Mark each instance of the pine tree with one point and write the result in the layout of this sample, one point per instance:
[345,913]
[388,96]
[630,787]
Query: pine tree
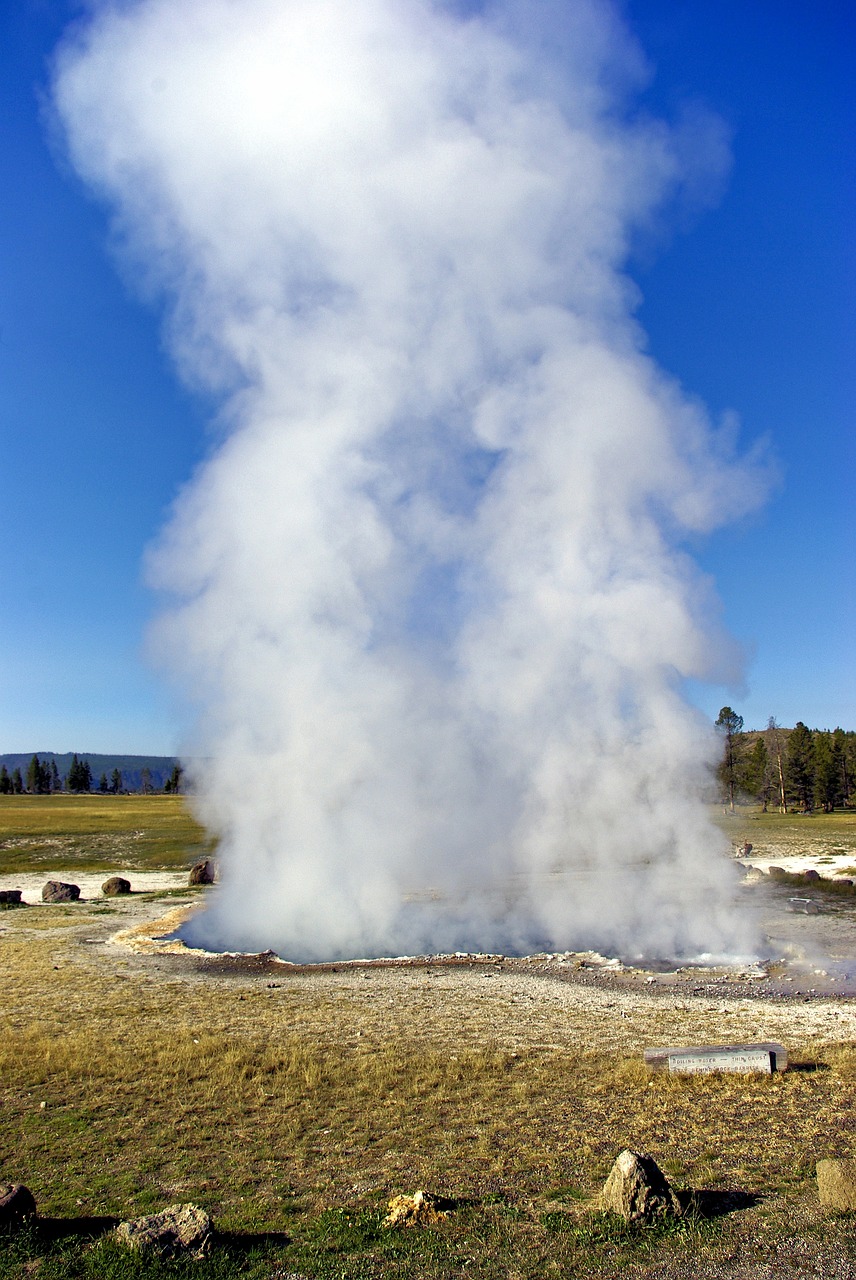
[34,776]
[757,774]
[827,772]
[17,782]
[73,778]
[56,781]
[801,765]
[102,784]
[115,782]
[173,782]
[5,781]
[839,749]
[730,726]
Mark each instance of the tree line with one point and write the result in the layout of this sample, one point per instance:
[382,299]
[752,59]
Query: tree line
[43,779]
[794,770]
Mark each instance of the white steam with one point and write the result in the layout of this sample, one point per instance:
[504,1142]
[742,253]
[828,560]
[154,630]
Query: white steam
[429,592]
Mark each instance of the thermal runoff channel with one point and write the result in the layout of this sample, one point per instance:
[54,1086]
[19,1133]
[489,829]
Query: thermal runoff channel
[429,591]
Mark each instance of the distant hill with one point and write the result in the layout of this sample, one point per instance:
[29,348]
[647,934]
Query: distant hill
[130,767]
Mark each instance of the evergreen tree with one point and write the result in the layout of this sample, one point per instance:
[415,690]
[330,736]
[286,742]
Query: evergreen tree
[839,748]
[827,772]
[34,776]
[800,771]
[17,782]
[85,776]
[38,777]
[757,773]
[73,777]
[730,726]
[102,784]
[173,782]
[5,781]
[115,782]
[56,781]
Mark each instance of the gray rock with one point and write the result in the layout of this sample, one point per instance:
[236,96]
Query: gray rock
[115,887]
[16,1204]
[202,872]
[11,898]
[181,1228]
[836,1183]
[56,891]
[638,1190]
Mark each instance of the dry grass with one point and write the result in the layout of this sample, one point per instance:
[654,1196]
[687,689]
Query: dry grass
[305,1106]
[302,1105]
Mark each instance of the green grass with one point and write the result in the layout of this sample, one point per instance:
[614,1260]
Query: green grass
[95,832]
[790,834]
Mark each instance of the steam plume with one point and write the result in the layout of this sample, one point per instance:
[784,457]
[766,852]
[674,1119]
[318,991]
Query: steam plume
[429,592]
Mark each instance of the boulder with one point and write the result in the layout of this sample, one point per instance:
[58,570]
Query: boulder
[16,1204]
[56,891]
[11,898]
[811,875]
[638,1190]
[115,887]
[836,1183]
[202,872]
[179,1229]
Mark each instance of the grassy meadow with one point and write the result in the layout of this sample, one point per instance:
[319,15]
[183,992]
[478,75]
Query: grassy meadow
[98,833]
[822,835]
[293,1108]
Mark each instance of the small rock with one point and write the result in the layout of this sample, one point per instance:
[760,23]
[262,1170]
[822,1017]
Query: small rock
[202,872]
[181,1228]
[16,1204]
[11,898]
[115,887]
[811,874]
[638,1190]
[56,891]
[836,1183]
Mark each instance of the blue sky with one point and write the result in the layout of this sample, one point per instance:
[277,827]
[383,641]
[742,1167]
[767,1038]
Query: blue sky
[750,307]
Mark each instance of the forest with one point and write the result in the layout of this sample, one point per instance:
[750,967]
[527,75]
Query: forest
[798,770]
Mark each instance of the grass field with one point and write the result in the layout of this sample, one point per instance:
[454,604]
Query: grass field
[98,833]
[783,834]
[293,1110]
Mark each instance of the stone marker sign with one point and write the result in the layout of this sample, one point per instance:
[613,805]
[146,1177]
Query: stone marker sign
[739,1060]
[706,1058]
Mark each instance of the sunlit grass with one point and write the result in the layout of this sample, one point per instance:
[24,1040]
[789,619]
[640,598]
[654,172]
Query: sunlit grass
[275,1111]
[293,1110]
[790,834]
[95,832]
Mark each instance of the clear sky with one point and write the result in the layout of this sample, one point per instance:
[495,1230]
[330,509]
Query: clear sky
[750,306]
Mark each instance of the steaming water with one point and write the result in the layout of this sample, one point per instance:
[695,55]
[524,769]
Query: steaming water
[428,593]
